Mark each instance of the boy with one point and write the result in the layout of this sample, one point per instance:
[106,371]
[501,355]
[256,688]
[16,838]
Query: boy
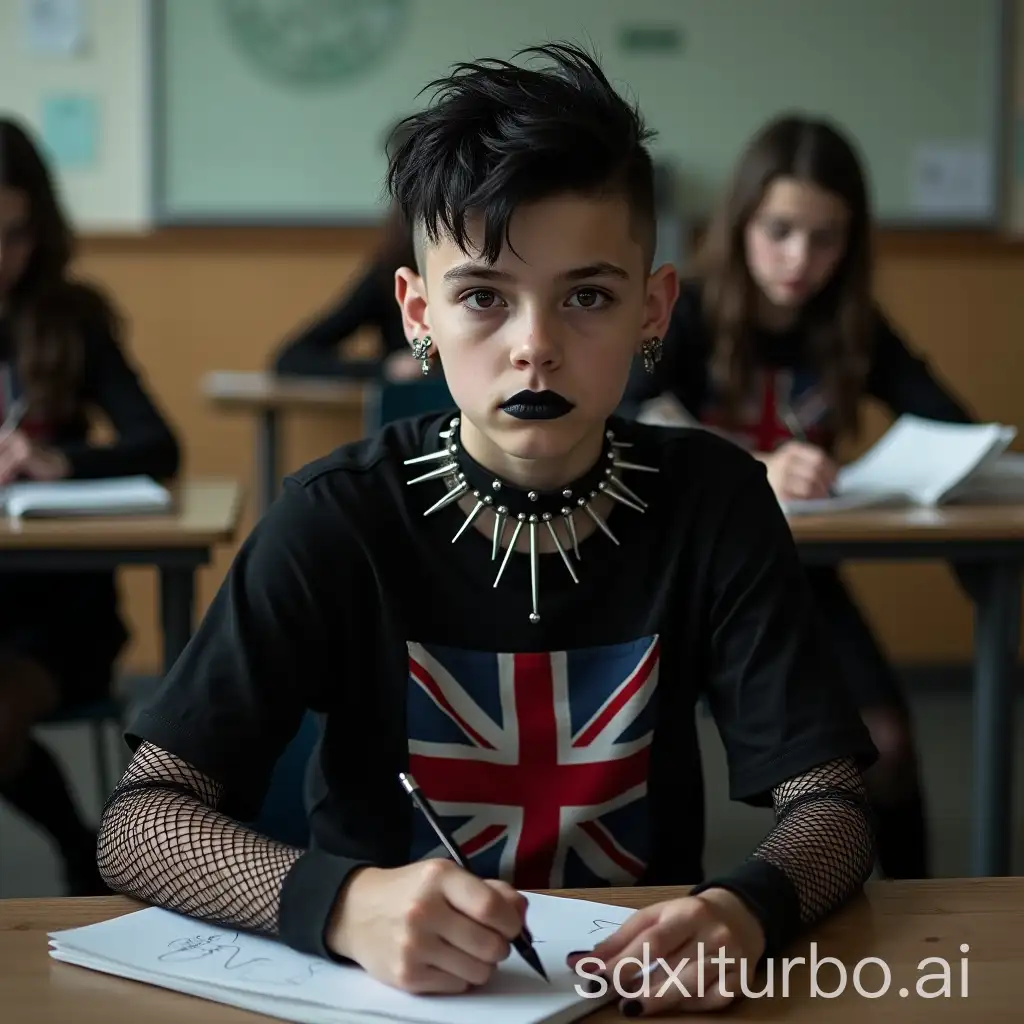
[518,602]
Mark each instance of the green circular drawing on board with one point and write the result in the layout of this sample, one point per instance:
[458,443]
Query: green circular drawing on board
[315,42]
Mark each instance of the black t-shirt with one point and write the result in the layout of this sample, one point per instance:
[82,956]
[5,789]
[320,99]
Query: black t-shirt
[787,383]
[561,753]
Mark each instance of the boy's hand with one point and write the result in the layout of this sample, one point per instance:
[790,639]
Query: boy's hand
[673,931]
[427,927]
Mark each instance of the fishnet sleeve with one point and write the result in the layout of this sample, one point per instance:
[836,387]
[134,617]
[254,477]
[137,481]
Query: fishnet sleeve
[822,841]
[818,855]
[163,841]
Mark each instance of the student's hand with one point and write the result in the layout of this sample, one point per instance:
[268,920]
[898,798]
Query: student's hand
[20,457]
[400,366]
[797,471]
[427,927]
[673,931]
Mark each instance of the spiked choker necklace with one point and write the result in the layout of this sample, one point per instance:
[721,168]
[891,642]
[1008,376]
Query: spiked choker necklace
[534,510]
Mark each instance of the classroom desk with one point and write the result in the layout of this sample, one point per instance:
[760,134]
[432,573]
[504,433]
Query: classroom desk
[265,396]
[991,539]
[901,923]
[206,514]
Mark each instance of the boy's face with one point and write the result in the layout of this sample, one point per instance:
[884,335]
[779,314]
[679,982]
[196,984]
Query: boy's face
[537,348]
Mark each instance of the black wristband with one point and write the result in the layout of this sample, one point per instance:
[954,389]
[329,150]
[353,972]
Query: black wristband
[308,895]
[771,897]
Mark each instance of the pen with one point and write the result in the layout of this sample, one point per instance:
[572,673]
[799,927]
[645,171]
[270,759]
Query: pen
[13,418]
[523,942]
[795,427]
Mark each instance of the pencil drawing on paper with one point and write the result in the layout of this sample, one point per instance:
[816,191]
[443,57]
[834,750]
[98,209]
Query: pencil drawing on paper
[255,969]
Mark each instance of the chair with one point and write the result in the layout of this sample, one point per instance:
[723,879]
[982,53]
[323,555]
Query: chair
[97,715]
[396,400]
[283,814]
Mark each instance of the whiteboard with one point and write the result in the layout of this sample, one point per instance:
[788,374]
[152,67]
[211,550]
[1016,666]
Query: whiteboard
[265,114]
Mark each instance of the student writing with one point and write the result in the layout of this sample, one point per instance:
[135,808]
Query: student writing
[60,361]
[776,341]
[519,604]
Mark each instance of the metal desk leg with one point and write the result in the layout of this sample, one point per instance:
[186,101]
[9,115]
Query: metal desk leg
[266,459]
[996,638]
[177,598]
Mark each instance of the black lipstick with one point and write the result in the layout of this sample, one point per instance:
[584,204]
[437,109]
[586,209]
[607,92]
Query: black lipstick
[537,405]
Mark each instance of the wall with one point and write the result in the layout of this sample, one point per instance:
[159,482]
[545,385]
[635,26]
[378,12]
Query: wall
[207,298]
[113,192]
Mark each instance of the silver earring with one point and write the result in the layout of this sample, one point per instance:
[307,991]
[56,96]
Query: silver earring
[421,351]
[651,349]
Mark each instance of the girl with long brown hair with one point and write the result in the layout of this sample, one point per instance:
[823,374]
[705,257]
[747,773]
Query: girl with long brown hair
[775,340]
[60,358]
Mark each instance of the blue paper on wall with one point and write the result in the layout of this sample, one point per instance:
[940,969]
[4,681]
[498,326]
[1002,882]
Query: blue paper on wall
[71,129]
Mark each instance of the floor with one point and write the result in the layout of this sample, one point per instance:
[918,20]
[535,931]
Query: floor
[29,868]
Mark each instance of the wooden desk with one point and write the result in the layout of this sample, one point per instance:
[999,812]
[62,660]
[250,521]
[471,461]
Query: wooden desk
[990,540]
[901,923]
[206,514]
[264,396]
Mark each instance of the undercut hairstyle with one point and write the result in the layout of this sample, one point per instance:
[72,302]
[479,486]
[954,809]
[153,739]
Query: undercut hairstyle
[497,135]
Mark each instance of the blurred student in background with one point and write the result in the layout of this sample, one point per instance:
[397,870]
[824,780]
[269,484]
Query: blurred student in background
[61,632]
[314,351]
[774,341]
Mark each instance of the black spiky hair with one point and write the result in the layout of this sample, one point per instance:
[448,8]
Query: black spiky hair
[498,135]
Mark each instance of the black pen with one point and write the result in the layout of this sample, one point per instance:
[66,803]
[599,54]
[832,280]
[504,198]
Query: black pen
[523,942]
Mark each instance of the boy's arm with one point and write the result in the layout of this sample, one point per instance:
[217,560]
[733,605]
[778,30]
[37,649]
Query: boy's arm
[818,855]
[792,735]
[164,841]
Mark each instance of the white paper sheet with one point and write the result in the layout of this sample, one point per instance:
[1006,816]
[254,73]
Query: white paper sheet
[180,953]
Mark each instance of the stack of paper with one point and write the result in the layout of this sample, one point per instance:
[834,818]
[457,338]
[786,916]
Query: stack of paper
[134,495]
[175,952]
[919,462]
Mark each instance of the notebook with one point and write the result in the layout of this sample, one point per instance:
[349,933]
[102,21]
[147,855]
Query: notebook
[927,463]
[162,948]
[135,495]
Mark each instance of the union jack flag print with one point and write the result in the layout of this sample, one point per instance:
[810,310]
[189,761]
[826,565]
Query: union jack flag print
[762,422]
[536,762]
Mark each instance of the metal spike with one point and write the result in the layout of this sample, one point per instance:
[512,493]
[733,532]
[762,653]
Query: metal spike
[472,515]
[600,522]
[445,434]
[561,551]
[451,496]
[432,457]
[451,467]
[508,553]
[622,499]
[570,526]
[625,490]
[634,465]
[622,444]
[534,570]
[500,515]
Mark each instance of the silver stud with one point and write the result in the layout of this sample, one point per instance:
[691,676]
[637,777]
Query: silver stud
[432,457]
[600,522]
[499,529]
[567,493]
[495,485]
[472,515]
[534,570]
[633,465]
[609,490]
[561,550]
[533,495]
[450,497]
[451,467]
[508,552]
[619,485]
